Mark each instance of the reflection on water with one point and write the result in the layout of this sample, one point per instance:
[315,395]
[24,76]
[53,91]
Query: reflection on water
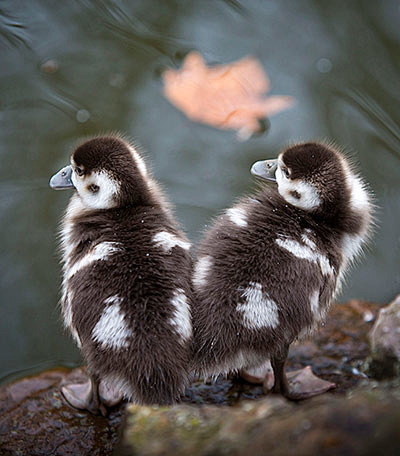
[71,69]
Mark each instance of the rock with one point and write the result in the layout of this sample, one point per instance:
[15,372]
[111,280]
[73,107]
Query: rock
[365,423]
[385,342]
[35,420]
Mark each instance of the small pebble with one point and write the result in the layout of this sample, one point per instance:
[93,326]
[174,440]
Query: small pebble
[368,316]
[247,407]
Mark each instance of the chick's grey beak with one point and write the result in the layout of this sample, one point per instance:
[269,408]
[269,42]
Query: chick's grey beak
[62,179]
[265,169]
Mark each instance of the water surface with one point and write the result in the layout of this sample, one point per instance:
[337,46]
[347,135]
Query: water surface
[71,69]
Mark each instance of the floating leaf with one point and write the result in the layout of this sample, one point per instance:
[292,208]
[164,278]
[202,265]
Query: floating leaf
[230,97]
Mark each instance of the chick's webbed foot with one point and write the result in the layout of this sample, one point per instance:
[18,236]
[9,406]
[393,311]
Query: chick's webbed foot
[303,384]
[85,396]
[262,375]
[109,395]
[297,385]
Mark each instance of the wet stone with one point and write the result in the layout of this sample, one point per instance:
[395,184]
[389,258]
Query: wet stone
[365,423]
[384,339]
[221,417]
[35,420]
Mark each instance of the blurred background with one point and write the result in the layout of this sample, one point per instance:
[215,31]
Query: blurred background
[76,68]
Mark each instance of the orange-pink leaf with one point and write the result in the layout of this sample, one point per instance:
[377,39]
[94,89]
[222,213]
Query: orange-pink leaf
[231,96]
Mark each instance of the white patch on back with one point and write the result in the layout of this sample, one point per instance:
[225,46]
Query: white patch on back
[111,331]
[237,215]
[105,197]
[167,241]
[305,238]
[259,311]
[100,252]
[309,197]
[296,249]
[306,252]
[181,319]
[201,270]
[314,303]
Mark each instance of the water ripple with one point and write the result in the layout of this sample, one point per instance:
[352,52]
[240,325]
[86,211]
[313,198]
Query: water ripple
[389,129]
[134,31]
[12,32]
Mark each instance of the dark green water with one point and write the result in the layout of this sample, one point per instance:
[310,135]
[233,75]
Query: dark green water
[75,68]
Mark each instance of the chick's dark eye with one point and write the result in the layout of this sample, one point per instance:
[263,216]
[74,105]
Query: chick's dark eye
[94,188]
[79,171]
[286,172]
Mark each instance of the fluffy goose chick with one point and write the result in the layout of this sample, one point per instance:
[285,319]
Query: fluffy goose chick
[126,286]
[268,268]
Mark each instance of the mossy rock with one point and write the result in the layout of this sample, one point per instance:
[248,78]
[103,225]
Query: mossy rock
[365,422]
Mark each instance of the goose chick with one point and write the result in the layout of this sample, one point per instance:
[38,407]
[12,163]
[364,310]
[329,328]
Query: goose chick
[126,285]
[268,268]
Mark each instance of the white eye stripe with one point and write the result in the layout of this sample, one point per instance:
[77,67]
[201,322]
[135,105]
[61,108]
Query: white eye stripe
[297,192]
[106,193]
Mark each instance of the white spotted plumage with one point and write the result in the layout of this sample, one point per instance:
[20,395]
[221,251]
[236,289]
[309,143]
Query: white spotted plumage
[238,216]
[201,271]
[268,267]
[306,252]
[181,319]
[314,303]
[126,278]
[100,252]
[258,310]
[167,241]
[112,331]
